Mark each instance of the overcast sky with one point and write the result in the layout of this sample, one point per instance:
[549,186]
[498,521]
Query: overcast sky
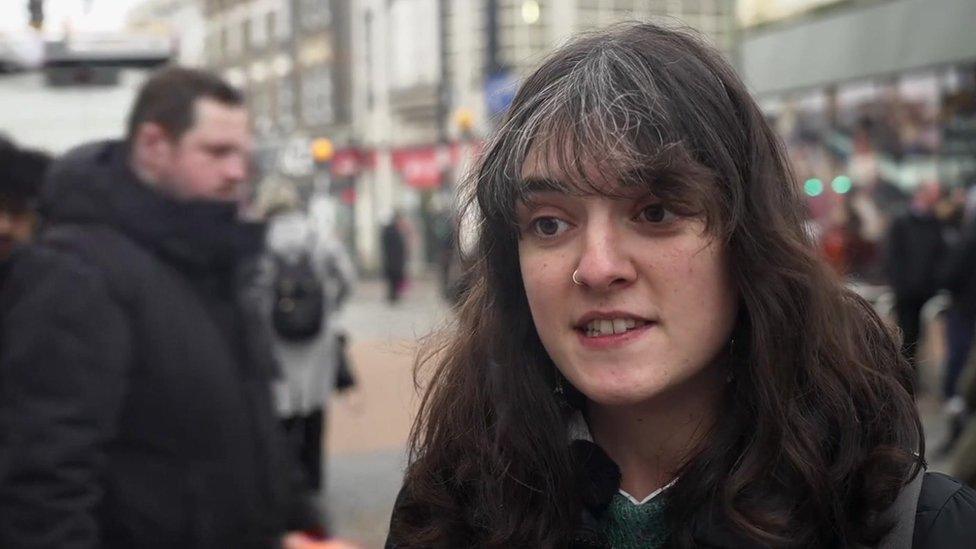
[103,15]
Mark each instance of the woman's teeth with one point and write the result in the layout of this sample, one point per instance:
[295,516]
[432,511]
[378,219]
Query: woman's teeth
[605,327]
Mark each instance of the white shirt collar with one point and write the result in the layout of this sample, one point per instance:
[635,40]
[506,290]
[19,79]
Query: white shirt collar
[578,429]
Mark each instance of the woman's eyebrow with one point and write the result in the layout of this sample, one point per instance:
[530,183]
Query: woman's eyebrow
[532,185]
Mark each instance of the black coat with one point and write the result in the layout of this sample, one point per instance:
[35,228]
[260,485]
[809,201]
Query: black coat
[134,381]
[915,249]
[958,272]
[944,517]
[394,247]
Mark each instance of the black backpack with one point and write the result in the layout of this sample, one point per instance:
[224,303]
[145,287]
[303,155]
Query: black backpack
[298,312]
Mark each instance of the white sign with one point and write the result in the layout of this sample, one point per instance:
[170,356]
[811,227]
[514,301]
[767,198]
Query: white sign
[296,157]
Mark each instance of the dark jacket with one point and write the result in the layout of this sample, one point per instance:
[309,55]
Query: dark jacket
[394,247]
[958,272]
[915,248]
[134,381]
[944,519]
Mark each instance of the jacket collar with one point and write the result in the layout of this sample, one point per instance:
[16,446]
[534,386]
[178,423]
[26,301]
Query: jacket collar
[599,480]
[94,184]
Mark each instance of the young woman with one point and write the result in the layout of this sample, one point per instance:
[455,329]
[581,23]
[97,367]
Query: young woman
[651,353]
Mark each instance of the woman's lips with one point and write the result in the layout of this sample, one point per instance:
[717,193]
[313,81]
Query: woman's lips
[613,340]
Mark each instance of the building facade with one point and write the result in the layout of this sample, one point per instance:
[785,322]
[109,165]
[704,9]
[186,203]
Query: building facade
[405,89]
[180,21]
[432,76]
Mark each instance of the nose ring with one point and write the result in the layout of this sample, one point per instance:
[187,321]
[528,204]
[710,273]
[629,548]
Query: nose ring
[576,280]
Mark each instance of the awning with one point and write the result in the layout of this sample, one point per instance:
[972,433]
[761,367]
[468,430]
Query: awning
[852,42]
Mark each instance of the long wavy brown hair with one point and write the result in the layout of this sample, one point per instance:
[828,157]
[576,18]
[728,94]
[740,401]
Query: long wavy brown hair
[819,430]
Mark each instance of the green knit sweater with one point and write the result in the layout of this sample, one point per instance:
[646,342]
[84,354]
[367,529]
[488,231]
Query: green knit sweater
[631,526]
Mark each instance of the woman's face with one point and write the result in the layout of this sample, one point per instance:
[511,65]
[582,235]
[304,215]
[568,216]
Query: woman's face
[655,304]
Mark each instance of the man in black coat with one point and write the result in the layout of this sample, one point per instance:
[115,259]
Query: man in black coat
[914,251]
[394,246]
[134,379]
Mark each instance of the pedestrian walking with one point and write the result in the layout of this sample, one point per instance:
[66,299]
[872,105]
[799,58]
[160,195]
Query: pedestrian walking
[652,352]
[311,277]
[393,242]
[135,407]
[915,249]
[958,276]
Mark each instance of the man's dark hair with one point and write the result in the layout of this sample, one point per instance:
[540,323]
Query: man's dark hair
[21,174]
[169,98]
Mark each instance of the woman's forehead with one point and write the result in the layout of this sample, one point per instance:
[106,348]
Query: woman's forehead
[560,168]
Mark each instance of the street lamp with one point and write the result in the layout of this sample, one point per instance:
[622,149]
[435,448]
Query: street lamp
[464,118]
[322,152]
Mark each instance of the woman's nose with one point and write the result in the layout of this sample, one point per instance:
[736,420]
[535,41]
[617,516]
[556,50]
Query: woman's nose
[604,261]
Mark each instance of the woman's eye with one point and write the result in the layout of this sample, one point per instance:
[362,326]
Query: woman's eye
[656,213]
[548,227]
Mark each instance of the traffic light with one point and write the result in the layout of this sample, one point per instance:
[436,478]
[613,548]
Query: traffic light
[35,10]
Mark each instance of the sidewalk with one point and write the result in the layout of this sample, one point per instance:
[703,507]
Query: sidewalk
[366,440]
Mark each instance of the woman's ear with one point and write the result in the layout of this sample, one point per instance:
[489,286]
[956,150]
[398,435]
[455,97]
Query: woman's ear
[152,151]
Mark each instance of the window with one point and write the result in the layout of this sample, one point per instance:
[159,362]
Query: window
[285,103]
[317,96]
[211,45]
[414,37]
[271,25]
[224,46]
[233,40]
[259,32]
[260,108]
[246,34]
[314,14]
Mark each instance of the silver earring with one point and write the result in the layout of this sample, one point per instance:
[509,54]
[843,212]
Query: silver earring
[576,280]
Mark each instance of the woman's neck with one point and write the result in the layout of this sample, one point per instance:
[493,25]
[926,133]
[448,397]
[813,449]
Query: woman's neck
[651,440]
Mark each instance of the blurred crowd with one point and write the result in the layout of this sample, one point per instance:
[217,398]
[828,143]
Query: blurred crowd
[890,217]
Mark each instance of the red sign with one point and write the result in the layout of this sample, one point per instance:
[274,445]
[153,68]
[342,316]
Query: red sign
[421,167]
[348,163]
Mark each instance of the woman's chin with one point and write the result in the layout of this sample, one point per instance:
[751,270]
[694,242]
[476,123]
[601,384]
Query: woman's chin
[618,394]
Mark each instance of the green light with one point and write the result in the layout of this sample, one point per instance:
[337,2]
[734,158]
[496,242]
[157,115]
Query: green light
[813,187]
[841,184]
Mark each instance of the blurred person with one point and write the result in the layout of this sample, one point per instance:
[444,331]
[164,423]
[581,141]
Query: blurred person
[844,245]
[21,173]
[135,402]
[914,249]
[958,276]
[393,243]
[864,167]
[652,354]
[311,278]
[961,446]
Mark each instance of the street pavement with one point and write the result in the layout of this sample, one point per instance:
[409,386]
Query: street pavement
[367,431]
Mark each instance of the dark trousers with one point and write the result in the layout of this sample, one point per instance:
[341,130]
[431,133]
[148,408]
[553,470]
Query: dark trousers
[909,310]
[394,284]
[959,340]
[306,435]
